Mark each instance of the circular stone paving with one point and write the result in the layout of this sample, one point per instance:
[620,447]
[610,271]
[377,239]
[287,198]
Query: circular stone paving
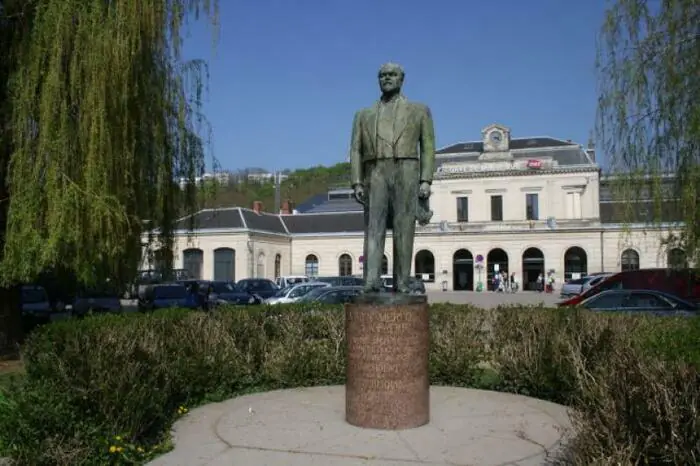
[307,427]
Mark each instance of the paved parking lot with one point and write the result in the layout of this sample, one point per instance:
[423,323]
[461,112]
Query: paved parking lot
[489,299]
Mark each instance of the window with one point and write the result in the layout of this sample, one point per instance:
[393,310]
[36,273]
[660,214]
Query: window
[192,260]
[462,209]
[345,265]
[225,265]
[260,272]
[645,301]
[497,208]
[606,301]
[311,266]
[630,260]
[573,205]
[278,266]
[532,206]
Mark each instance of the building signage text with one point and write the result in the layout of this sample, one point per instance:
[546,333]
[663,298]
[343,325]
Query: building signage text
[481,167]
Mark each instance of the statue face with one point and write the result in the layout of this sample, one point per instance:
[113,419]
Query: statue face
[390,79]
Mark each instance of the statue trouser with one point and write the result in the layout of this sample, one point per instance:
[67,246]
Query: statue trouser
[391,189]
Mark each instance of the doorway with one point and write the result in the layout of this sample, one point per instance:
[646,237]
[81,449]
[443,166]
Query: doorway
[463,271]
[533,266]
[496,262]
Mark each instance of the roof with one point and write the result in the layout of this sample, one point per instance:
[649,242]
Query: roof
[515,144]
[563,156]
[233,218]
[337,222]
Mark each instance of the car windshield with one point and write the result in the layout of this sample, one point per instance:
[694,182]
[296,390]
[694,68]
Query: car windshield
[169,292]
[223,287]
[282,292]
[34,295]
[314,294]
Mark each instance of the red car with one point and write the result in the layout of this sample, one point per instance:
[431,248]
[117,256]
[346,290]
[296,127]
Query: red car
[684,283]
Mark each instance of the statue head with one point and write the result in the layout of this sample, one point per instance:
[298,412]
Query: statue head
[391,77]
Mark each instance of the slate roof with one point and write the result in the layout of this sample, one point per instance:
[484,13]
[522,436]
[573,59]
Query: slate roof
[213,219]
[565,155]
[515,144]
[324,222]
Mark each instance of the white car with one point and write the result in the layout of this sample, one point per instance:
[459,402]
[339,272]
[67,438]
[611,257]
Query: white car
[293,293]
[290,280]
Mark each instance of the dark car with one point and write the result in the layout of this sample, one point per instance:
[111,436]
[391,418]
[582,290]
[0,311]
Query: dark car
[221,292]
[35,303]
[166,295]
[341,281]
[96,301]
[259,287]
[198,291]
[640,301]
[331,295]
[684,283]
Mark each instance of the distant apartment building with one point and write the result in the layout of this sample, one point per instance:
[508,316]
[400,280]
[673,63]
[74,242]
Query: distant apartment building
[222,178]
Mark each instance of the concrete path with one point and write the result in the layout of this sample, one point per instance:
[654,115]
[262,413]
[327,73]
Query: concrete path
[306,427]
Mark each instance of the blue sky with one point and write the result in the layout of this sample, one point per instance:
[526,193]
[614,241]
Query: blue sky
[288,75]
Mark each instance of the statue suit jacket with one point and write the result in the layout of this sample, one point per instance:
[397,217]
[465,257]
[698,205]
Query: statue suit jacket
[413,131]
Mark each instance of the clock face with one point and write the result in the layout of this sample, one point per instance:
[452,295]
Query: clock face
[496,137]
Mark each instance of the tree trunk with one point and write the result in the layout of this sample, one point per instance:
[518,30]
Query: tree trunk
[11,332]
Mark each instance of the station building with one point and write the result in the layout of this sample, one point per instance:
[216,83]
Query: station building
[526,205]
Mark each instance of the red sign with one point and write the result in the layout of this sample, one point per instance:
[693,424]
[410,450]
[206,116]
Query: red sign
[533,163]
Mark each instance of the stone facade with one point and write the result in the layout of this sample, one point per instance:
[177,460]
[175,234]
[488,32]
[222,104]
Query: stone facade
[528,206]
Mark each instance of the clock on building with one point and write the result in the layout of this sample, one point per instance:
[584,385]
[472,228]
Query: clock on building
[496,137]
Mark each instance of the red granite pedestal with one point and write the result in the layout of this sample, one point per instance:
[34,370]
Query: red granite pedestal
[388,339]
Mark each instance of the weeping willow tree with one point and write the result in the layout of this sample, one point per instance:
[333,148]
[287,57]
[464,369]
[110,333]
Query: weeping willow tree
[649,112]
[104,115]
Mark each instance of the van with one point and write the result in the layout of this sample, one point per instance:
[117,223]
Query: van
[683,283]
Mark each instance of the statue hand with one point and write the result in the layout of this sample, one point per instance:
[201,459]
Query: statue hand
[359,193]
[424,190]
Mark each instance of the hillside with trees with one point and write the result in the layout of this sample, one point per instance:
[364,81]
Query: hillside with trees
[299,186]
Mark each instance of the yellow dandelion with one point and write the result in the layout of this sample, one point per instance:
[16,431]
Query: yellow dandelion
[112,449]
[118,438]
[119,449]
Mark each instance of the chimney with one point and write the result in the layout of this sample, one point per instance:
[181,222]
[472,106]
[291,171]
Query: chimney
[590,149]
[257,207]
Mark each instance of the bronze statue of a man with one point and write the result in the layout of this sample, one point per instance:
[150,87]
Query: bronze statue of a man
[392,160]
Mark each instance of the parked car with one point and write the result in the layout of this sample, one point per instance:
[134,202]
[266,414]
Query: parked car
[96,301]
[260,287]
[166,295]
[221,292]
[578,286]
[198,291]
[684,283]
[331,295]
[293,293]
[284,282]
[341,281]
[35,303]
[640,301]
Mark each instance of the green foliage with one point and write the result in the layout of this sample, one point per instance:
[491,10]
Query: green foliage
[104,115]
[104,390]
[298,187]
[649,119]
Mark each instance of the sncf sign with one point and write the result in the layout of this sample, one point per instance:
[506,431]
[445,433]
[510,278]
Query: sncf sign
[533,163]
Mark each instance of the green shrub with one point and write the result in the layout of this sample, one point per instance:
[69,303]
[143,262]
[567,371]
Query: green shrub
[105,390]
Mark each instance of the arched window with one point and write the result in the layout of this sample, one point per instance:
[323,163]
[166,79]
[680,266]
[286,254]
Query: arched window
[225,264]
[260,273]
[192,260]
[677,259]
[629,260]
[345,265]
[311,266]
[575,263]
[424,266]
[278,266]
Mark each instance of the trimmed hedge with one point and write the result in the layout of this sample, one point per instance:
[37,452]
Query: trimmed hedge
[105,390]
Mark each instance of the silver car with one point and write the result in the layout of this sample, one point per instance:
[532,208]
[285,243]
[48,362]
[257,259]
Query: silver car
[578,286]
[293,293]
